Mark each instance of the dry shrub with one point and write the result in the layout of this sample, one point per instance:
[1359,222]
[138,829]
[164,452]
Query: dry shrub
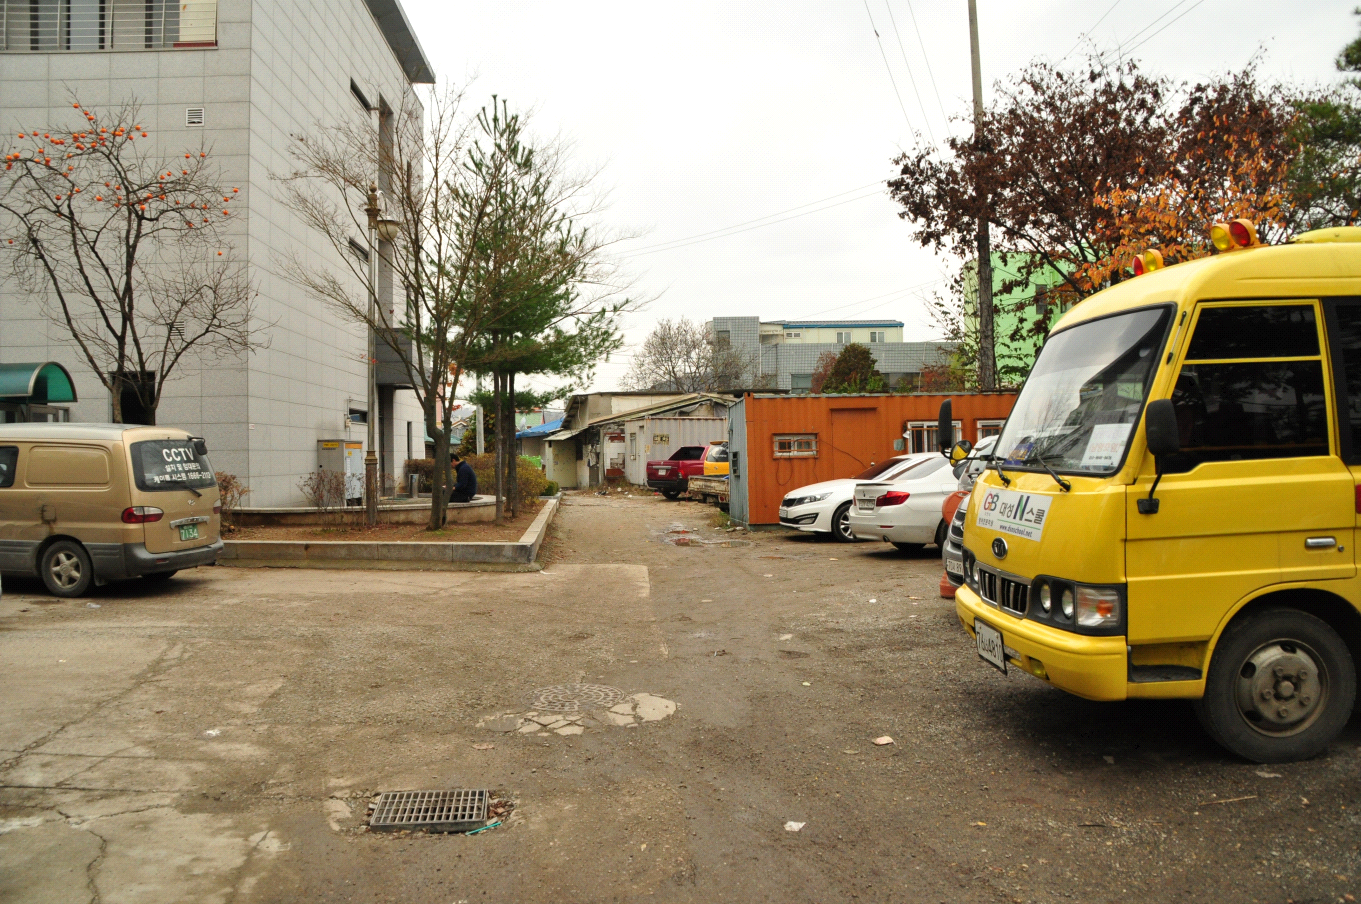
[231,491]
[323,488]
[425,467]
[532,480]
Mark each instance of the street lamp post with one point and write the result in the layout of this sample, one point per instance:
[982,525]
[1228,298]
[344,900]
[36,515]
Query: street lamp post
[385,228]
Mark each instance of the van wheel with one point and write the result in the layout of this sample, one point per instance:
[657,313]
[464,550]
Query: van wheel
[1280,688]
[66,569]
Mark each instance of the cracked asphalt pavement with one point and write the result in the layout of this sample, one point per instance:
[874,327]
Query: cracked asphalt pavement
[218,739]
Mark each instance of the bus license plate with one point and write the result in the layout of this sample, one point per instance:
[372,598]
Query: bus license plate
[990,648]
[188,531]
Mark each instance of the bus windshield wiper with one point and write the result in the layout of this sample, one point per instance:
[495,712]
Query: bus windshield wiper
[1035,453]
[997,461]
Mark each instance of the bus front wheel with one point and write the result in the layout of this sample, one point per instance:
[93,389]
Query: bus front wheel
[1280,688]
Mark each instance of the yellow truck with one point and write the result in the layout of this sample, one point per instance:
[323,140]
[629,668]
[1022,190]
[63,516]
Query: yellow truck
[1172,507]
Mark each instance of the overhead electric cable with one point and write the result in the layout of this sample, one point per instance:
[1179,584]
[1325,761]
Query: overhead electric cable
[1165,27]
[910,77]
[778,213]
[1140,32]
[929,71]
[682,243]
[1110,9]
[889,68]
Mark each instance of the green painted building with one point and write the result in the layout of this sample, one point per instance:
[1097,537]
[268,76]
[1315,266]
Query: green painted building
[1022,315]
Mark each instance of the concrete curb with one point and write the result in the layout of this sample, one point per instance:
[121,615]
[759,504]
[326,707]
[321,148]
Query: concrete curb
[502,556]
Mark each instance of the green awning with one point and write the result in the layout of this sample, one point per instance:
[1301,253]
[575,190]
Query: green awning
[36,384]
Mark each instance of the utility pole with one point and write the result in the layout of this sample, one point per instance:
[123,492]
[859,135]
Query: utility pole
[987,355]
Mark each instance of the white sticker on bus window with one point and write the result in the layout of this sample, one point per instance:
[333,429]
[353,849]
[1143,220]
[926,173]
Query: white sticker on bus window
[1105,447]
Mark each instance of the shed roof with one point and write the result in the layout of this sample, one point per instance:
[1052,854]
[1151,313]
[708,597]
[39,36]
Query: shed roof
[39,382]
[540,430]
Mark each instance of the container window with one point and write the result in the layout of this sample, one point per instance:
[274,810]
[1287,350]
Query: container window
[9,462]
[922,436]
[990,428]
[796,445]
[169,464]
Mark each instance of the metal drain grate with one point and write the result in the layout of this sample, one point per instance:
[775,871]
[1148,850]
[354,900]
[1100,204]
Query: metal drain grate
[575,698]
[433,811]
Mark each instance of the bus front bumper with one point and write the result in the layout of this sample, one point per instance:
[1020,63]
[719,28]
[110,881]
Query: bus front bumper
[1092,667]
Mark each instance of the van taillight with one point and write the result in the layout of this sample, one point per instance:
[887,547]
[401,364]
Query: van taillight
[217,507]
[142,514]
[892,497]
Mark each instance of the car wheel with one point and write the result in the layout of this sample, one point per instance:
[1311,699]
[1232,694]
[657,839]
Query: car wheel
[159,577]
[841,524]
[942,531]
[1281,686]
[671,494]
[66,569]
[909,547]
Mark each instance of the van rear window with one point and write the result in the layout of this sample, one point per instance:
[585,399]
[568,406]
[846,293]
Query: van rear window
[168,464]
[9,457]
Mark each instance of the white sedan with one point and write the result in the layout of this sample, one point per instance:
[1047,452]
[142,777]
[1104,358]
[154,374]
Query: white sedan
[905,511]
[825,507]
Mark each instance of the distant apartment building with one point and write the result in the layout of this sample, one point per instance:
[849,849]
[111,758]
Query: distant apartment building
[789,349]
[244,78]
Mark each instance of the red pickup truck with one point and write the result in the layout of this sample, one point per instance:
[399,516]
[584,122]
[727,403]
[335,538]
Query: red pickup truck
[672,476]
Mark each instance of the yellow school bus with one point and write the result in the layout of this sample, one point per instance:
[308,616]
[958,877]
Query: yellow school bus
[1172,505]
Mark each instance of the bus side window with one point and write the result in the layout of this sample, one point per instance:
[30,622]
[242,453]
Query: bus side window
[1231,409]
[1347,345]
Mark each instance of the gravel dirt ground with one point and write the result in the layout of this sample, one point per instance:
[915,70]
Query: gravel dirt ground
[218,738]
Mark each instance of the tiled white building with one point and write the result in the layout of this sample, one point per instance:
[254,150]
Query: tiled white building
[242,76]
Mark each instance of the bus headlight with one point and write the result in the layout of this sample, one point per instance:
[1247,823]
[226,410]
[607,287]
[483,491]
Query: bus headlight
[1046,596]
[1066,602]
[1097,607]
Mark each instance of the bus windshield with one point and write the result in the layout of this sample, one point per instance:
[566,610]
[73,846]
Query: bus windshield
[1081,402]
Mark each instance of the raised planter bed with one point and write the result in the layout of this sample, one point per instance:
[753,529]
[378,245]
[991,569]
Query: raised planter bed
[511,556]
[482,508]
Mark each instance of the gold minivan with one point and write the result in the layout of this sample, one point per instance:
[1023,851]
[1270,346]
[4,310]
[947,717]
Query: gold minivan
[83,504]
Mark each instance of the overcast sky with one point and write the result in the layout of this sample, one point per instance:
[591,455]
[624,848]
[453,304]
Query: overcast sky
[705,117]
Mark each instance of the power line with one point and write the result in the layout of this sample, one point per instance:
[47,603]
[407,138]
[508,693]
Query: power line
[1165,27]
[1088,32]
[929,70]
[1140,32]
[732,231]
[910,77]
[887,67]
[768,216]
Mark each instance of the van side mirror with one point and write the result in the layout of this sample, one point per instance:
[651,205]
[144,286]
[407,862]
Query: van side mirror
[1163,439]
[945,427]
[200,445]
[1160,428]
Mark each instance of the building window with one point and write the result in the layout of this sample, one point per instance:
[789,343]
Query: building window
[358,416]
[793,335]
[86,25]
[878,335]
[724,336]
[801,382]
[796,445]
[843,337]
[989,428]
[360,96]
[923,437]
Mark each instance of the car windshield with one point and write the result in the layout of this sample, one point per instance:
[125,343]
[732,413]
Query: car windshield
[1082,399]
[168,464]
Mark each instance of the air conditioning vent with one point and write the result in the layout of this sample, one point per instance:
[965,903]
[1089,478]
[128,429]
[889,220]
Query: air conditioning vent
[193,116]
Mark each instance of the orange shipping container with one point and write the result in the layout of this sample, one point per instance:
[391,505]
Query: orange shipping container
[782,442]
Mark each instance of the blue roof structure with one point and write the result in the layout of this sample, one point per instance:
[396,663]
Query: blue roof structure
[540,430]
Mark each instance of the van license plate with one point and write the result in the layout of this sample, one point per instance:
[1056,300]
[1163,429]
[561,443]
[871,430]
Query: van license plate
[990,645]
[188,531]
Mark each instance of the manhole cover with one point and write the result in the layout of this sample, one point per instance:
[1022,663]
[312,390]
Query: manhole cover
[575,698]
[433,811]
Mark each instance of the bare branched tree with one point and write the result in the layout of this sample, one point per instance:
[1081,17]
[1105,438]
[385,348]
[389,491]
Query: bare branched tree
[126,250]
[684,356]
[460,262]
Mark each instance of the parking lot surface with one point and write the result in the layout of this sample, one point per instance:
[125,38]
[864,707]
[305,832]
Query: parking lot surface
[218,739]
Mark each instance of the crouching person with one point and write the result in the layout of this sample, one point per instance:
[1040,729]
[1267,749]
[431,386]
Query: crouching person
[465,481]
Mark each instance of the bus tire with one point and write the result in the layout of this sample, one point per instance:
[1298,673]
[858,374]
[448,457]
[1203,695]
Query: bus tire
[1280,688]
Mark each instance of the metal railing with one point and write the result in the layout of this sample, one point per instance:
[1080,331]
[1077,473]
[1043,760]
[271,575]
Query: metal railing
[48,26]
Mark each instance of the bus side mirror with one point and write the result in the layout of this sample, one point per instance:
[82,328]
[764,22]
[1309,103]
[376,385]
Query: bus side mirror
[960,451]
[945,427]
[1163,439]
[1160,428]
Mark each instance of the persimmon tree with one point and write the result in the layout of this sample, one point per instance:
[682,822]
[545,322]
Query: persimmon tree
[126,248]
